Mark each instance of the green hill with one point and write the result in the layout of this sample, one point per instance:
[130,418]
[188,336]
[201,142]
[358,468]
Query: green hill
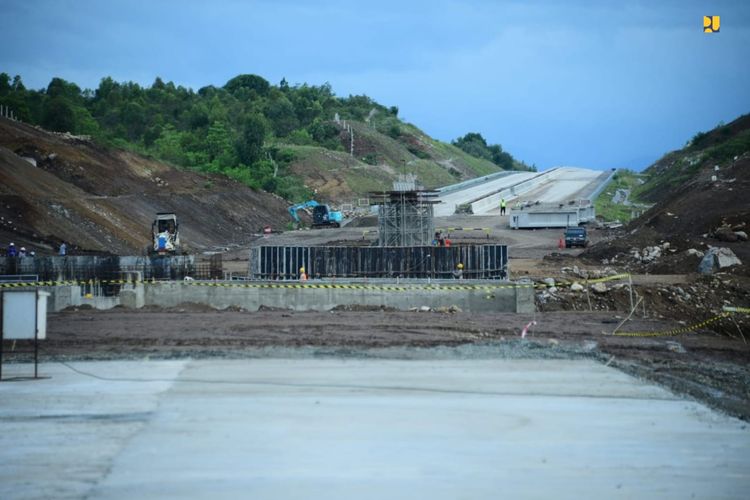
[296,141]
[695,162]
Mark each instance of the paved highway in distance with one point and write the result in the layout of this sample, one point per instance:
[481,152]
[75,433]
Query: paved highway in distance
[450,200]
[557,186]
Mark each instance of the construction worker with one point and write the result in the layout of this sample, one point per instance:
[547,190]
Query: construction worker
[12,251]
[302,274]
[502,206]
[22,252]
[63,249]
[459,272]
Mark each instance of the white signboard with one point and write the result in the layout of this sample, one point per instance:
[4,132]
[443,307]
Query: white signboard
[22,316]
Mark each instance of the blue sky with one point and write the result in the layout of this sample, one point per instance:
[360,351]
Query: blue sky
[588,83]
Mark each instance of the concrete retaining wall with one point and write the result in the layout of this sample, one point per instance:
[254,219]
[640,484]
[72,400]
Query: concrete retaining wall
[170,294]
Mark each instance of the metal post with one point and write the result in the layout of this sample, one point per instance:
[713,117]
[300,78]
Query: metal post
[630,287]
[2,332]
[36,334]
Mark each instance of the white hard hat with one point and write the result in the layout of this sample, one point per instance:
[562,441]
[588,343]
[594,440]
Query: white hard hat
[12,244]
[23,248]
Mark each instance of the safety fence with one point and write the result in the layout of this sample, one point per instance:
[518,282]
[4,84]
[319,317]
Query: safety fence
[86,267]
[422,262]
[101,275]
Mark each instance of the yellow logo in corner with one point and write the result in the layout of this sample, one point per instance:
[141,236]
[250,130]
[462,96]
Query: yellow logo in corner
[711,24]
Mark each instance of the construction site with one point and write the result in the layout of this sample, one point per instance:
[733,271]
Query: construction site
[425,325]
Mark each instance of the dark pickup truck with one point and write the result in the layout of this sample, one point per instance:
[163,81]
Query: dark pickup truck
[576,236]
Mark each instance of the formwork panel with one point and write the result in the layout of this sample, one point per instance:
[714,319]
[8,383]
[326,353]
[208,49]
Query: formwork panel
[419,262]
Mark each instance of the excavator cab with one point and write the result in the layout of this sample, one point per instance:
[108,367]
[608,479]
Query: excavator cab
[165,234]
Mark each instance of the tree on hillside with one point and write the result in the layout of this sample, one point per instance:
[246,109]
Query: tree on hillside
[281,115]
[5,87]
[244,84]
[231,129]
[250,144]
[219,145]
[58,115]
[474,144]
[66,90]
[15,96]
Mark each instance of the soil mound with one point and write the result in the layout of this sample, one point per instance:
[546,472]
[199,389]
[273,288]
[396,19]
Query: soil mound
[694,216]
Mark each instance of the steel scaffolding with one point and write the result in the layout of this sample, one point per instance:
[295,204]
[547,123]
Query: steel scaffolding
[405,217]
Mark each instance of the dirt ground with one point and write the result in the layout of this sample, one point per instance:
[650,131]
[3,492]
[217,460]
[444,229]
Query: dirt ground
[706,366]
[528,247]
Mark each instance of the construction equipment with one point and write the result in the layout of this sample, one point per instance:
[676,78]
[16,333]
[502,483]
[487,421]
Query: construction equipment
[299,206]
[165,234]
[325,217]
[322,215]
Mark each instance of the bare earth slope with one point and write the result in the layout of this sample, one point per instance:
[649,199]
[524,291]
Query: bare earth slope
[701,191]
[104,200]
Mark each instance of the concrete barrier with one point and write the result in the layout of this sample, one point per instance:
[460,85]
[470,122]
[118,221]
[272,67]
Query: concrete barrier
[471,299]
[468,296]
[475,181]
[65,296]
[607,178]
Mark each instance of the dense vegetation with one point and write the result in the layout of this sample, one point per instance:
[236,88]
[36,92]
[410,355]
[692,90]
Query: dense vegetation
[476,145]
[239,129]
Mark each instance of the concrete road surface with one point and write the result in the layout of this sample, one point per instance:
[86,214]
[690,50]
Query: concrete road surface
[450,200]
[569,183]
[355,428]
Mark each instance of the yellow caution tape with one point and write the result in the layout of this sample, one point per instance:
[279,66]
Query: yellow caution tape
[615,277]
[676,331]
[336,286]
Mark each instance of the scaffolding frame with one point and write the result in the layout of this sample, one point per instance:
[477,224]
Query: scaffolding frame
[405,218]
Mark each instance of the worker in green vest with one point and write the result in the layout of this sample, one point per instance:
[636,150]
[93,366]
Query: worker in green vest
[502,206]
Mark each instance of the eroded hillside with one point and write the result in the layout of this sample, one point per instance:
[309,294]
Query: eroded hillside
[701,196]
[104,200]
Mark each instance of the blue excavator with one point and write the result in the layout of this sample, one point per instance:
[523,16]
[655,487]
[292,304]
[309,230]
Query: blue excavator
[322,215]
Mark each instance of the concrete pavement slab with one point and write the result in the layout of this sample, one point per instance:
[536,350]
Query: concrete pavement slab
[365,428]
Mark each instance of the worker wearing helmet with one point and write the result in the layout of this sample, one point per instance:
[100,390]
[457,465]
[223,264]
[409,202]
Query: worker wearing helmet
[459,272]
[22,252]
[302,274]
[12,252]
